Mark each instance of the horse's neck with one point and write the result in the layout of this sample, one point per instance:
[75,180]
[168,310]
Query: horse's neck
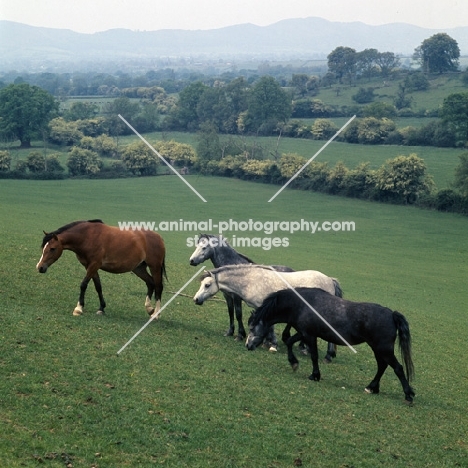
[240,282]
[226,255]
[71,241]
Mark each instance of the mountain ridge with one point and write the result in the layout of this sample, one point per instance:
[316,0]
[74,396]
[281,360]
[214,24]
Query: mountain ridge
[304,38]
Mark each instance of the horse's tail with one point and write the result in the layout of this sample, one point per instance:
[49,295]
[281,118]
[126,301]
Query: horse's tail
[404,340]
[338,290]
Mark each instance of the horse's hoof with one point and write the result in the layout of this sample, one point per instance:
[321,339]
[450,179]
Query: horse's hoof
[295,366]
[273,349]
[368,390]
[77,312]
[100,312]
[327,360]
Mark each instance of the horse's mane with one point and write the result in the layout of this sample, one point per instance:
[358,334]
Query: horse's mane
[208,236]
[58,231]
[261,312]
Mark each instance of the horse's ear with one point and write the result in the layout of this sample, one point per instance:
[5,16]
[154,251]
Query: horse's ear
[45,233]
[55,237]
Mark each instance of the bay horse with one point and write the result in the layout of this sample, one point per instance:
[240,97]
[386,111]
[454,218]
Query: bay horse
[217,249]
[342,322]
[253,283]
[98,246]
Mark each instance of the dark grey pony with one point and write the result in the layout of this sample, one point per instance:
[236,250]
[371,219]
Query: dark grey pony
[315,313]
[218,250]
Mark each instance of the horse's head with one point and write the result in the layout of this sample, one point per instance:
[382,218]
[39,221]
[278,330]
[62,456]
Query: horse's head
[51,252]
[257,331]
[204,249]
[257,334]
[209,287]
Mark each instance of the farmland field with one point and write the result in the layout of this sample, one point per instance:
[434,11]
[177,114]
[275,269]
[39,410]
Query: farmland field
[182,394]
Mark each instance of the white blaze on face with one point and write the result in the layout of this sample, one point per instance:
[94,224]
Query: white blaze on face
[42,256]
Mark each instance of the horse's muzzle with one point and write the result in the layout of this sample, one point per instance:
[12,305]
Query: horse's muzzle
[193,263]
[198,301]
[42,269]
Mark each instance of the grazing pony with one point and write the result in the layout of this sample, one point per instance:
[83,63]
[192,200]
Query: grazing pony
[218,250]
[101,247]
[342,322]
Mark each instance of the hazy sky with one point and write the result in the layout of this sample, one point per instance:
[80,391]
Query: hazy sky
[100,15]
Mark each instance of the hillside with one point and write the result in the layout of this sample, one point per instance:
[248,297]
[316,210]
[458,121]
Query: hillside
[304,38]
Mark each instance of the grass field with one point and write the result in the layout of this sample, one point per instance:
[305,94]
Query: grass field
[182,394]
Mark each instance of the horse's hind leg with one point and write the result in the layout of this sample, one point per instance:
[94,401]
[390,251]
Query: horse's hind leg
[142,273]
[331,352]
[398,369]
[374,386]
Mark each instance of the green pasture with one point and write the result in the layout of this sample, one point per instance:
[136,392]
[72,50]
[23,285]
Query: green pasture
[182,394]
[440,162]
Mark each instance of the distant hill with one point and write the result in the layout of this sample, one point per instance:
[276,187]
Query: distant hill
[307,38]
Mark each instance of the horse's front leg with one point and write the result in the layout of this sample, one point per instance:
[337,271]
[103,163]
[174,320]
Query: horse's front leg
[98,287]
[289,342]
[311,341]
[230,306]
[240,326]
[83,286]
[91,271]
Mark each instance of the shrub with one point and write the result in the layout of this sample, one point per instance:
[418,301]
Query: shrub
[180,154]
[403,179]
[323,129]
[364,96]
[5,161]
[64,133]
[140,160]
[83,162]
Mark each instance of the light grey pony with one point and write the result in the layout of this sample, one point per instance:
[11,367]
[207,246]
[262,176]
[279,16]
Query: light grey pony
[254,283]
[217,249]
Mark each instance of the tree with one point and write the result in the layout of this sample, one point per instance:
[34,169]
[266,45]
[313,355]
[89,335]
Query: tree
[342,62]
[127,109]
[208,147]
[387,62]
[81,110]
[438,54]
[186,112]
[268,103]
[24,110]
[455,113]
[366,62]
[299,83]
[461,175]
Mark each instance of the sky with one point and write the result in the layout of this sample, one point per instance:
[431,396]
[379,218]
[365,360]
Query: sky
[89,16]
